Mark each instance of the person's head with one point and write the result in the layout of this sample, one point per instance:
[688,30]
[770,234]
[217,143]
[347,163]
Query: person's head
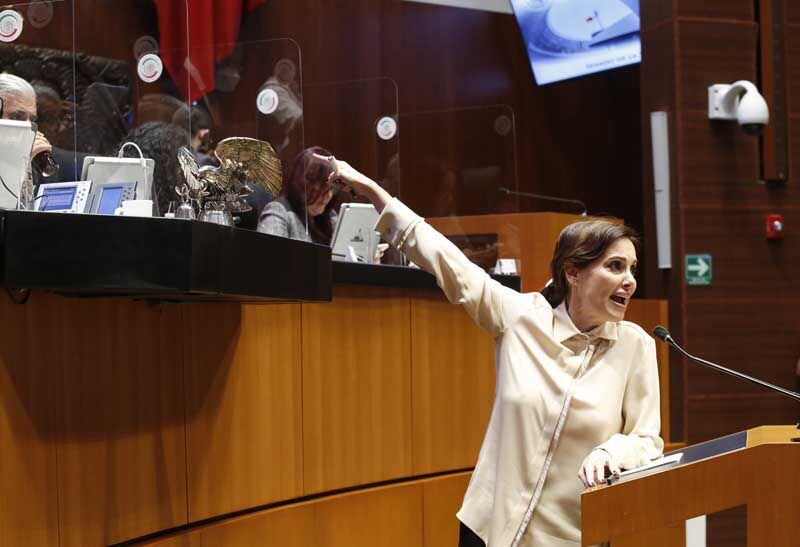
[55,116]
[160,141]
[19,98]
[195,120]
[593,269]
[307,189]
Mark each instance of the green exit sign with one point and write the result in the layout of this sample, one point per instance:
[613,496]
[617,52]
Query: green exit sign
[699,269]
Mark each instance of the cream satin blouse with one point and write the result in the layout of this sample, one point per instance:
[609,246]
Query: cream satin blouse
[559,394]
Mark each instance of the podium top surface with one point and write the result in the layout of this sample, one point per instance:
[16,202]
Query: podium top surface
[768,434]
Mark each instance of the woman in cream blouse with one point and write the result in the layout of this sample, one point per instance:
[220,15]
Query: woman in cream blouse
[577,387]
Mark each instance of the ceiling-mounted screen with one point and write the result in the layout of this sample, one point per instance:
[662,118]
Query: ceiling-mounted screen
[570,38]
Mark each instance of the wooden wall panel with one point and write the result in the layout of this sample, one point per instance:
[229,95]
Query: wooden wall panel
[703,50]
[792,12]
[727,10]
[714,416]
[654,13]
[243,406]
[452,385]
[390,517]
[30,397]
[121,452]
[356,389]
[290,527]
[387,516]
[792,57]
[659,76]
[768,326]
[718,164]
[794,150]
[442,499]
[746,264]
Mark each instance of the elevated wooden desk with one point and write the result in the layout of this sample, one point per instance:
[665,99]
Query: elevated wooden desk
[146,409]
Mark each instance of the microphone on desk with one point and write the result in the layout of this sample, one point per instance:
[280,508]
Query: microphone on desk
[663,334]
[504,190]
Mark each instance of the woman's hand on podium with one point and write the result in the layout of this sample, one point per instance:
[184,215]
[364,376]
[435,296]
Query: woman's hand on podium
[593,469]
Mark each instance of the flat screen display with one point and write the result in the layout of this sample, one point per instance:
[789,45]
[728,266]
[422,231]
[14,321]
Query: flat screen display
[58,199]
[110,198]
[570,38]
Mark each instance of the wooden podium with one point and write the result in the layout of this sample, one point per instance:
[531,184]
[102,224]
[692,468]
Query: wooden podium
[757,468]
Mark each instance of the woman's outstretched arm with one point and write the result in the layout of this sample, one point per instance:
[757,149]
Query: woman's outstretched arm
[490,304]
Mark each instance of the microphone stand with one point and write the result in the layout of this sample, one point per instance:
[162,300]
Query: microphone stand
[540,196]
[664,335]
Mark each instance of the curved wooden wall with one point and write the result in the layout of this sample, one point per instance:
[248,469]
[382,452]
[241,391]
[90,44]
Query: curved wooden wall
[121,419]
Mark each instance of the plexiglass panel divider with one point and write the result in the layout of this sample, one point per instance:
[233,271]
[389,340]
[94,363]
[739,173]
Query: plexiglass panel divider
[254,91]
[460,171]
[131,83]
[36,45]
[355,121]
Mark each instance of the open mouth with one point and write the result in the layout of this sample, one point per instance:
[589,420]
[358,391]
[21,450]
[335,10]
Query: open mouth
[621,300]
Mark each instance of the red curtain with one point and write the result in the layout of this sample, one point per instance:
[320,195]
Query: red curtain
[192,43]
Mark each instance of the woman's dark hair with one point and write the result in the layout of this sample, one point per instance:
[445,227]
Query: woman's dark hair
[579,245]
[306,181]
[160,141]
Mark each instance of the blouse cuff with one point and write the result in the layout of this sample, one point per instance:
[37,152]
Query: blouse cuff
[396,223]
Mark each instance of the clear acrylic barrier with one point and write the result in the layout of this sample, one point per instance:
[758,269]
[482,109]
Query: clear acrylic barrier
[131,85]
[256,92]
[356,121]
[36,45]
[463,158]
[464,168]
[251,89]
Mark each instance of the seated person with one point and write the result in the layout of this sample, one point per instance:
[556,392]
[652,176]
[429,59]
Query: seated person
[198,122]
[19,103]
[304,208]
[159,141]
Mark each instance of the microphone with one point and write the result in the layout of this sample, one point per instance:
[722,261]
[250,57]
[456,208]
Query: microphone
[663,334]
[505,190]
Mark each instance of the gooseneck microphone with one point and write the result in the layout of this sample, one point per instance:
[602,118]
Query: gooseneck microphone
[663,334]
[504,190]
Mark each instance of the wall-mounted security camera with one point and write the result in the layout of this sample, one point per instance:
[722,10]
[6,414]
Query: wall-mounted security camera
[739,101]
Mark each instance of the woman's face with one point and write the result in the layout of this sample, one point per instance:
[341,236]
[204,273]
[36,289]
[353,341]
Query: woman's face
[317,207]
[601,291]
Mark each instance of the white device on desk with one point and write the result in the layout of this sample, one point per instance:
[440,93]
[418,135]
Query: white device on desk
[16,143]
[62,197]
[354,238]
[106,169]
[106,197]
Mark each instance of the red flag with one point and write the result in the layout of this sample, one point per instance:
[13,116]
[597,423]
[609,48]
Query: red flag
[192,43]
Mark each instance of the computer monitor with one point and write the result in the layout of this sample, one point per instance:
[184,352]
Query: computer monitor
[571,38]
[354,235]
[101,169]
[16,142]
[106,197]
[62,197]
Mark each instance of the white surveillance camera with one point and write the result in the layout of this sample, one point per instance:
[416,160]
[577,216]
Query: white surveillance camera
[739,101]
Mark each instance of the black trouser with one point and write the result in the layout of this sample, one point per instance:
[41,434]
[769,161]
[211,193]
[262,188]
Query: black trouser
[468,538]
